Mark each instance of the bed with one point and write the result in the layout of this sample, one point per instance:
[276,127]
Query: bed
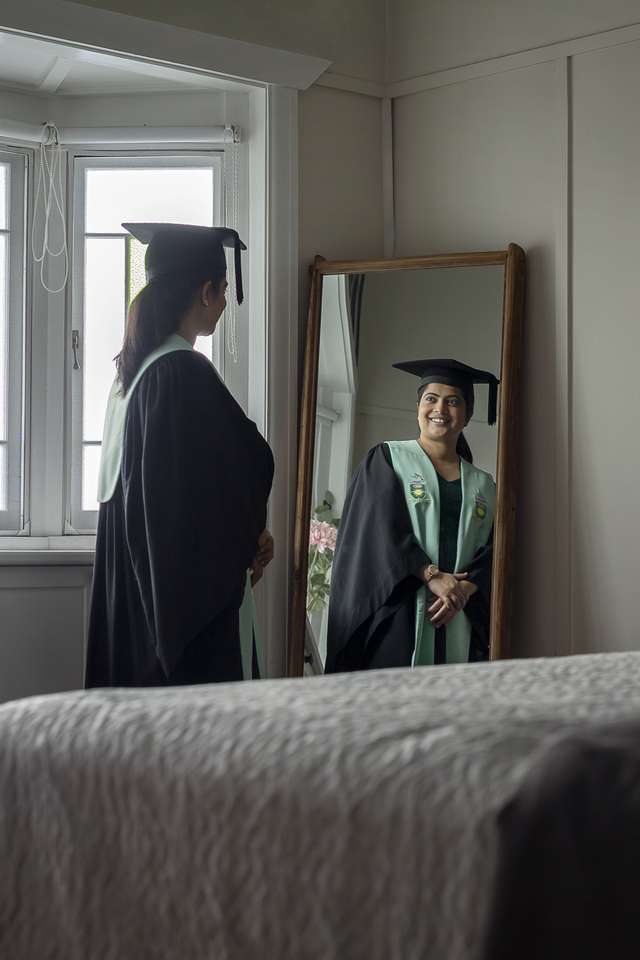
[346,817]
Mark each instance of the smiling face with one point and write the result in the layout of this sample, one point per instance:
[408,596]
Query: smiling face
[441,412]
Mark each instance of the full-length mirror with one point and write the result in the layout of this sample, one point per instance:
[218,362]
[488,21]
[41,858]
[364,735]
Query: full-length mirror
[407,462]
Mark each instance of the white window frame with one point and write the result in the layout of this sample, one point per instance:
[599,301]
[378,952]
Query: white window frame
[18,161]
[77,520]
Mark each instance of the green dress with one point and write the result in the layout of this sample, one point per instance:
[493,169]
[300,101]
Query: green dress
[450,506]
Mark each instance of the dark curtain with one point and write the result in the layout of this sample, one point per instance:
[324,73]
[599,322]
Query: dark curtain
[356,285]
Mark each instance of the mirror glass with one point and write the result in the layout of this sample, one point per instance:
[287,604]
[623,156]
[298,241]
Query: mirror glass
[368,322]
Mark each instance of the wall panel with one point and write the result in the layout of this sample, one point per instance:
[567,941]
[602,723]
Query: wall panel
[43,617]
[479,164]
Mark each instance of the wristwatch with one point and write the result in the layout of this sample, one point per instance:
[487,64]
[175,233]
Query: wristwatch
[432,571]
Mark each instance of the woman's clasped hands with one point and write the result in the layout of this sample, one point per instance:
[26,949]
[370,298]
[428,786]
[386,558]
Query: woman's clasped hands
[452,592]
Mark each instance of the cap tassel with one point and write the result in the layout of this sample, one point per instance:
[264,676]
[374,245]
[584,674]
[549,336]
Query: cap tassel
[238,270]
[493,403]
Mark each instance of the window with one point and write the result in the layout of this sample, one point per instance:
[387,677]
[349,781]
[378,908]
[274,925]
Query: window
[108,271]
[13,166]
[57,349]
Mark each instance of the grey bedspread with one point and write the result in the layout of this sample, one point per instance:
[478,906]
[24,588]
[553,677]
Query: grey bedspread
[348,817]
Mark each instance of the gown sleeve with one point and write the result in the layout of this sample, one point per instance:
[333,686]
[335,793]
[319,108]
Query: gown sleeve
[480,567]
[377,561]
[196,476]
[478,609]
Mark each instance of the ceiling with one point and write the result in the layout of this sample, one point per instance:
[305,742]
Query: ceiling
[40,67]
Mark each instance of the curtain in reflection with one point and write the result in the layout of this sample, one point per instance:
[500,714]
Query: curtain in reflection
[356,286]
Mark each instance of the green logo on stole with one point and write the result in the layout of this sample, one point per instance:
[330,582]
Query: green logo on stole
[417,488]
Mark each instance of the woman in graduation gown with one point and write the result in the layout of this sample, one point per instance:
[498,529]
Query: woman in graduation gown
[411,578]
[183,486]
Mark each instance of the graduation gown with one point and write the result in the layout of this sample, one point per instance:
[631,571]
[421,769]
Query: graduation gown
[376,577]
[178,533]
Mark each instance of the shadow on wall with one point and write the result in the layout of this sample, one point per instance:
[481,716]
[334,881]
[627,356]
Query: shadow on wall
[539,584]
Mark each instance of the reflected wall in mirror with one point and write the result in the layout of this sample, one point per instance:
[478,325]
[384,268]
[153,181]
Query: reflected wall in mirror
[363,317]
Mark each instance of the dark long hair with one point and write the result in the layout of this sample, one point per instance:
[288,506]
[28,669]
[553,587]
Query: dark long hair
[463,449]
[155,313]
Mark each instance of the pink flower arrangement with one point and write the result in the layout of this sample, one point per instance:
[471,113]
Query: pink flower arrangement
[323,533]
[322,536]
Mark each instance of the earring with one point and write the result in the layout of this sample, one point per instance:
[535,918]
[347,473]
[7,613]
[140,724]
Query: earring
[205,303]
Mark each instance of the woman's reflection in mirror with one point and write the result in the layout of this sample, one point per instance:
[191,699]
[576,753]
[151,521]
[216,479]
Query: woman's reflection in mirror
[411,580]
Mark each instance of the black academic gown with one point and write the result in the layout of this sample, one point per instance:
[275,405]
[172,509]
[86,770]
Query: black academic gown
[176,539]
[376,575]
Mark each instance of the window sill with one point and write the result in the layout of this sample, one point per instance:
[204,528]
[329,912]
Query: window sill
[47,551]
[46,558]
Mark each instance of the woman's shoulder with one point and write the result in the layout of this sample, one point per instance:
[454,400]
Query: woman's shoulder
[482,476]
[188,369]
[191,360]
[185,379]
[382,452]
[376,461]
[378,451]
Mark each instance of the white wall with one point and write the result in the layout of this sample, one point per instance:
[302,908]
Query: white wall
[351,33]
[430,35]
[43,619]
[340,179]
[606,347]
[545,154]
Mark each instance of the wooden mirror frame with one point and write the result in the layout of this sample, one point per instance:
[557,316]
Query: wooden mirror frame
[513,260]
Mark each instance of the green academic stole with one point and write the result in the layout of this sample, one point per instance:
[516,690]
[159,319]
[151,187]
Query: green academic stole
[419,482]
[113,433]
[111,461]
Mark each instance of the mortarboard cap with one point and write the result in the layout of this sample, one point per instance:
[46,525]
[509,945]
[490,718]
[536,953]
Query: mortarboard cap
[179,247]
[455,374]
